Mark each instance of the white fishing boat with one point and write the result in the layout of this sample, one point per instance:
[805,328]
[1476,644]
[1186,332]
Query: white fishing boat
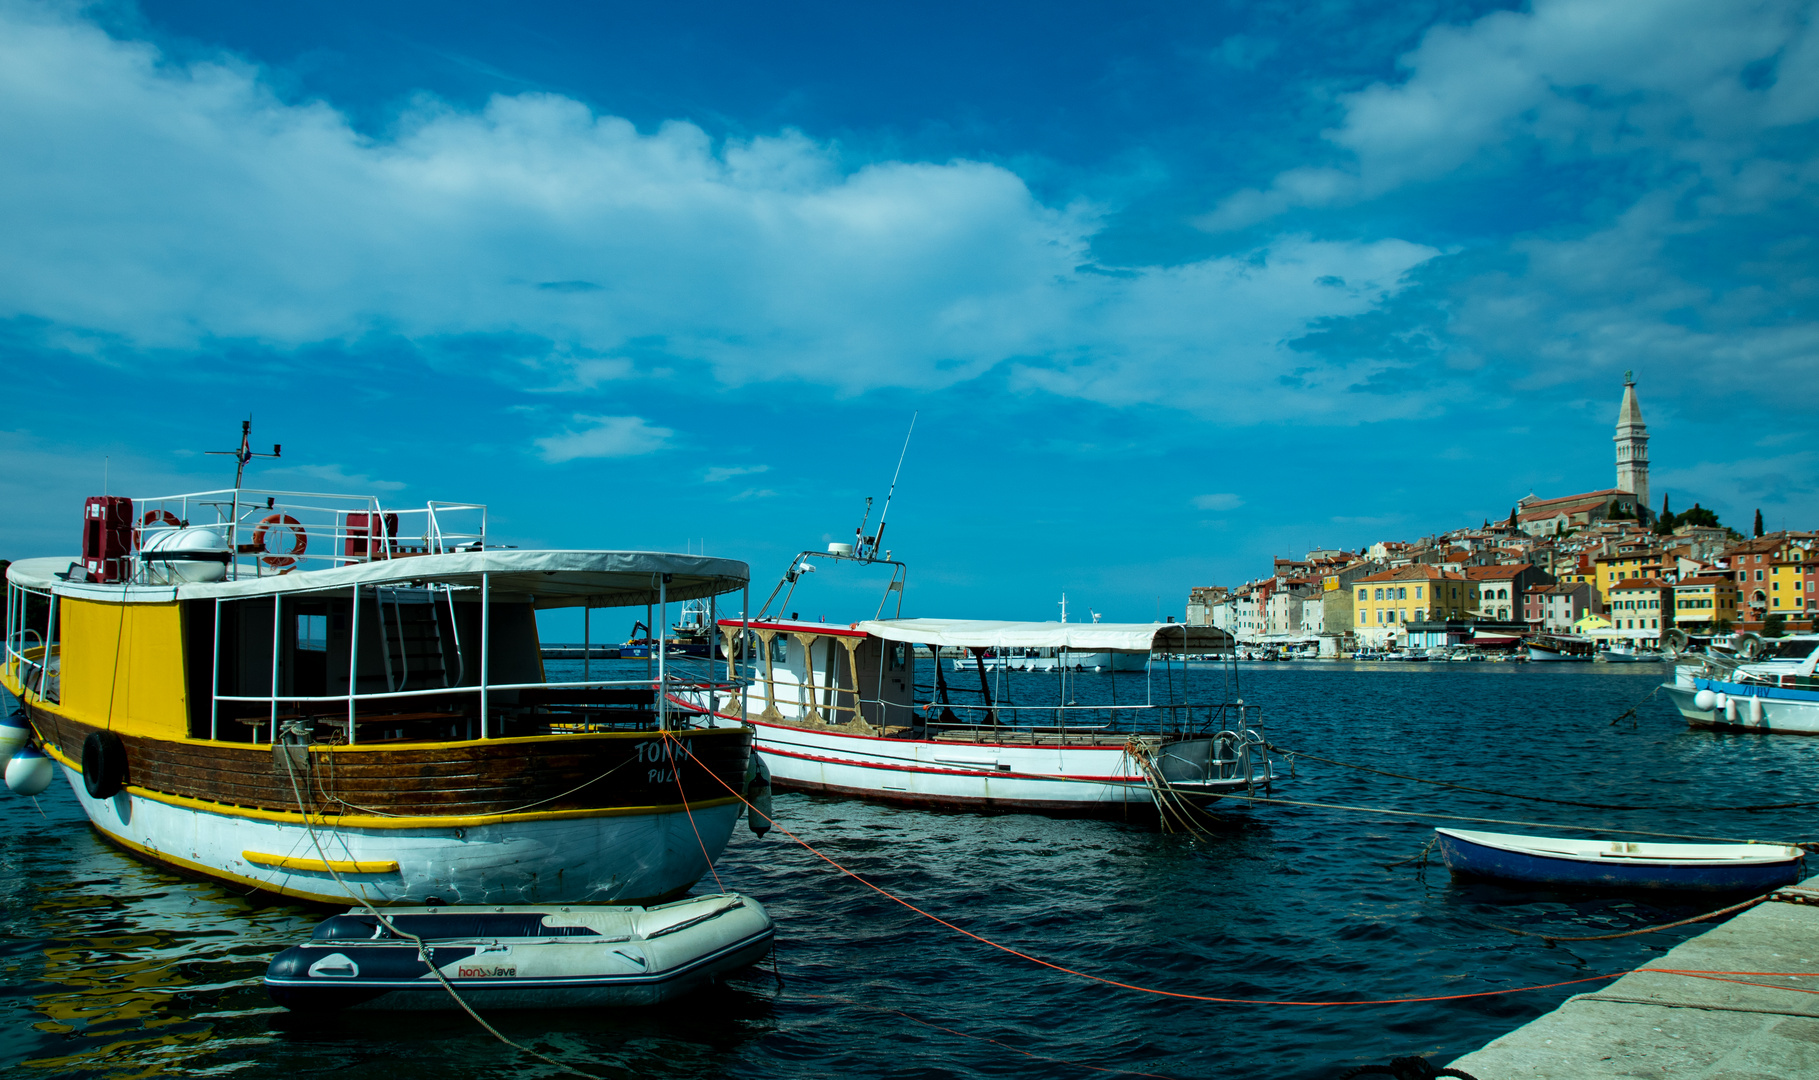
[1561,647]
[1757,684]
[293,691]
[837,708]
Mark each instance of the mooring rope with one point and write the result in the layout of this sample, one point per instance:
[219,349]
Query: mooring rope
[1645,930]
[894,898]
[1537,798]
[1507,821]
[424,952]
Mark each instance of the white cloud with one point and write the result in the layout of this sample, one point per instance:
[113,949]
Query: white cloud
[1221,501]
[333,476]
[164,206]
[721,473]
[606,437]
[1578,78]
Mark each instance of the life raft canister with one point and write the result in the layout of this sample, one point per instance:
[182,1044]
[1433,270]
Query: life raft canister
[103,764]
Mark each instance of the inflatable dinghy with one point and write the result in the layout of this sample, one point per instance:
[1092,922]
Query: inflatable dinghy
[544,956]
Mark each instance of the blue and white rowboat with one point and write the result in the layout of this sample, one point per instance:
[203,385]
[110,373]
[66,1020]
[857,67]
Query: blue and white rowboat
[1547,860]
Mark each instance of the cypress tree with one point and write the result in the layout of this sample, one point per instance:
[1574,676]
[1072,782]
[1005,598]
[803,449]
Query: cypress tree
[1758,522]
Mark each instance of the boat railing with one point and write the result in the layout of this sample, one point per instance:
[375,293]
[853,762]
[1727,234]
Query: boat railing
[277,532]
[1172,718]
[665,703]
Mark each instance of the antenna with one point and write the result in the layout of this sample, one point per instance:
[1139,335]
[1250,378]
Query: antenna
[245,453]
[893,491]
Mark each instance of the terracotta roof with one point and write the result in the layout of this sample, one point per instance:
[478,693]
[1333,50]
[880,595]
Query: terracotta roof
[1416,572]
[1705,580]
[1496,573]
[1564,501]
[1641,583]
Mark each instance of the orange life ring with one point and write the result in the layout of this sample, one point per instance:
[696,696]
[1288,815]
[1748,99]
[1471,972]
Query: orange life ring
[164,516]
[273,522]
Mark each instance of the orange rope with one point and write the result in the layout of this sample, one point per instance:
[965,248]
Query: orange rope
[677,769]
[1113,982]
[1717,976]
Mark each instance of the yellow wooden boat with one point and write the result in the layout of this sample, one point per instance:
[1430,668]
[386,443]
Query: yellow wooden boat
[321,696]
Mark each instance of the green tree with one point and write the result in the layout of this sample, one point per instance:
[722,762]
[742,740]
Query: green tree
[1758,521]
[1699,515]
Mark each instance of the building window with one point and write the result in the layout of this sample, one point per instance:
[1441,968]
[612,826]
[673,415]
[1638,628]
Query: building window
[1402,593]
[1364,594]
[1417,592]
[1379,594]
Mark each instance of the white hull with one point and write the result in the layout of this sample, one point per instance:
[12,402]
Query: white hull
[966,774]
[610,858]
[1763,710]
[1537,653]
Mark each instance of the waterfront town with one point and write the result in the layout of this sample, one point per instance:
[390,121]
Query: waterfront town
[1600,565]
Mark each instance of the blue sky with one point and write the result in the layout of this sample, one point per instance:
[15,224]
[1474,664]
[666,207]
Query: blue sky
[1172,287]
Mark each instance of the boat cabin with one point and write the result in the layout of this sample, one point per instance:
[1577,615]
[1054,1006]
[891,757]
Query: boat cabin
[233,616]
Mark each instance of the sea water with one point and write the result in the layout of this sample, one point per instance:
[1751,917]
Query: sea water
[117,969]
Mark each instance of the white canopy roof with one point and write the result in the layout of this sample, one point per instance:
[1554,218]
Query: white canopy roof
[1080,637]
[548,578]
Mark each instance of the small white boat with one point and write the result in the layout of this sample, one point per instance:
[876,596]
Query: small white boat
[537,957]
[1560,647]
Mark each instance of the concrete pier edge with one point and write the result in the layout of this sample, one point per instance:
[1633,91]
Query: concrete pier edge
[1649,1025]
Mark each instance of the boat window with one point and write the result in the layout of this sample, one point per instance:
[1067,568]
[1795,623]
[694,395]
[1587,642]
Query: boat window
[899,656]
[780,649]
[312,633]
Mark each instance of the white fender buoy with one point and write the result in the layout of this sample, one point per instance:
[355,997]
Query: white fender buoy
[1755,711]
[1705,701]
[1730,709]
[29,772]
[14,733]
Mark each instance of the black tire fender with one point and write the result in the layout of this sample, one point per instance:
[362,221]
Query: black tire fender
[103,764]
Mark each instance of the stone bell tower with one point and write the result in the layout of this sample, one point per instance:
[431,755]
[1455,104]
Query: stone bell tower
[1632,447]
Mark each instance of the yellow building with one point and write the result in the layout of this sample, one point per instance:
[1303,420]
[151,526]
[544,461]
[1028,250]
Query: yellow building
[1630,565]
[1791,582]
[1408,594]
[1707,600]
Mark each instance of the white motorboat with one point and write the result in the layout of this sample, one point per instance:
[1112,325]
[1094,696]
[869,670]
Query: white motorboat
[1759,684]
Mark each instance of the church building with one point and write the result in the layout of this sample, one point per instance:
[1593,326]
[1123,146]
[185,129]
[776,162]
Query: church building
[1628,500]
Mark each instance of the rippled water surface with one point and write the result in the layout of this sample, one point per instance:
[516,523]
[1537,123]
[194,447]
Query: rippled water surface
[117,969]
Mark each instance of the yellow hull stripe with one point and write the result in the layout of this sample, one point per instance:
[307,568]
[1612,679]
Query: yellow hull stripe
[385,821]
[219,874]
[320,866]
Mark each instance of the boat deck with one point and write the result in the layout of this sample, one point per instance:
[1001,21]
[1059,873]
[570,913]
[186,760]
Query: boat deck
[1653,1024]
[1028,737]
